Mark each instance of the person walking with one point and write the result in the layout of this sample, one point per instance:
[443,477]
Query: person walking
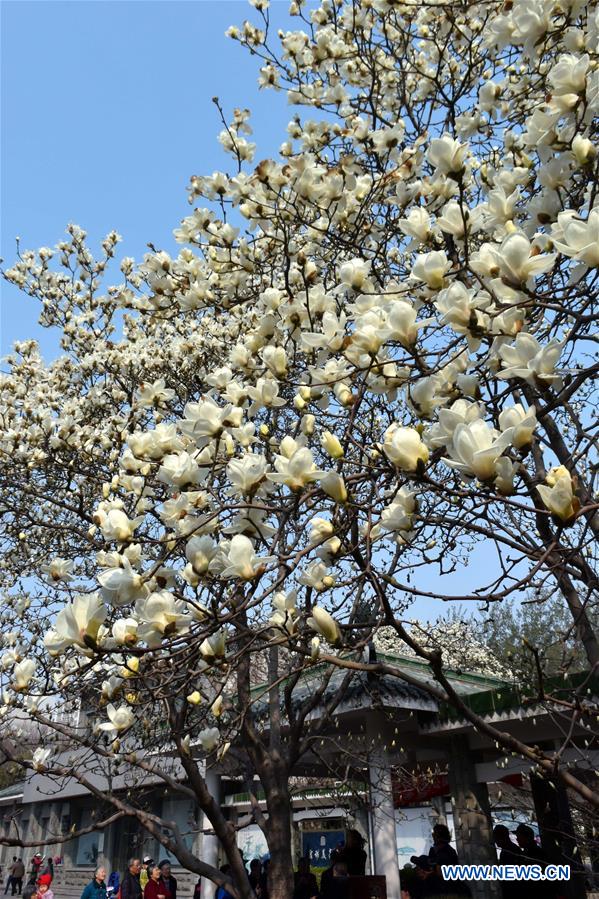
[155,888]
[167,878]
[17,877]
[11,875]
[96,888]
[130,887]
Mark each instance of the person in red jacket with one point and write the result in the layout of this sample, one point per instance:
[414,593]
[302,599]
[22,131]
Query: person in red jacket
[155,887]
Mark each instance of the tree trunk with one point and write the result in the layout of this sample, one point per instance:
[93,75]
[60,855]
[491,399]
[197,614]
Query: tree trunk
[280,868]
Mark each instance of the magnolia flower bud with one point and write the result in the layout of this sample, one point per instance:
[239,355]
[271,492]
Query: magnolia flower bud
[331,445]
[308,423]
[583,149]
[325,624]
[334,486]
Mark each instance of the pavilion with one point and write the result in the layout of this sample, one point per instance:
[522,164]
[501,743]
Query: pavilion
[383,725]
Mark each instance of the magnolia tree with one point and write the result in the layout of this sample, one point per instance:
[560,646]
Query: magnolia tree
[371,355]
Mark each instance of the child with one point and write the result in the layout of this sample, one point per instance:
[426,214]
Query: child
[43,887]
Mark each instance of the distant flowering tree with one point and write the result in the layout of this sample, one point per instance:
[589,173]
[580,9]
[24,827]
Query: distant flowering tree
[371,354]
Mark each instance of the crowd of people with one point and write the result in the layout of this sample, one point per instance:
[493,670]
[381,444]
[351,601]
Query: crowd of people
[429,882]
[345,862]
[39,878]
[145,879]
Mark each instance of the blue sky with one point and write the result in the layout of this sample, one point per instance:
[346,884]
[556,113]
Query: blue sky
[106,113]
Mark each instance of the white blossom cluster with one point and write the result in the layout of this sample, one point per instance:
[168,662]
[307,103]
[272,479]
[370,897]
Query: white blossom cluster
[367,352]
[460,650]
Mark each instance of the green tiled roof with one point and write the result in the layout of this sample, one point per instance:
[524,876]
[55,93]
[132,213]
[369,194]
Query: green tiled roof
[509,697]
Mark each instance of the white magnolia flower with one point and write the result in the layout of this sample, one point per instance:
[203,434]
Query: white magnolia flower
[505,471]
[275,359]
[458,220]
[58,570]
[558,494]
[115,524]
[447,155]
[431,268]
[354,273]
[119,719]
[285,616]
[475,449]
[370,331]
[501,207]
[577,238]
[325,624]
[295,471]
[317,575]
[417,224]
[122,585]
[160,615]
[77,624]
[386,139]
[247,472]
[207,419]
[154,394]
[399,514]
[156,443]
[522,422]
[209,738]
[569,74]
[264,395]
[40,758]
[179,470]
[583,149]
[23,674]
[519,261]
[459,308]
[214,646]
[242,561]
[124,631]
[527,359]
[200,551]
[401,323]
[111,687]
[404,448]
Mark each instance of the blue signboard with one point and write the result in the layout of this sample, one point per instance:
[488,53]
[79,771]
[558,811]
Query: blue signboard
[318,845]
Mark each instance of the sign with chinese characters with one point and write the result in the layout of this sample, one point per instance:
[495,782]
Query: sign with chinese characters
[317,845]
